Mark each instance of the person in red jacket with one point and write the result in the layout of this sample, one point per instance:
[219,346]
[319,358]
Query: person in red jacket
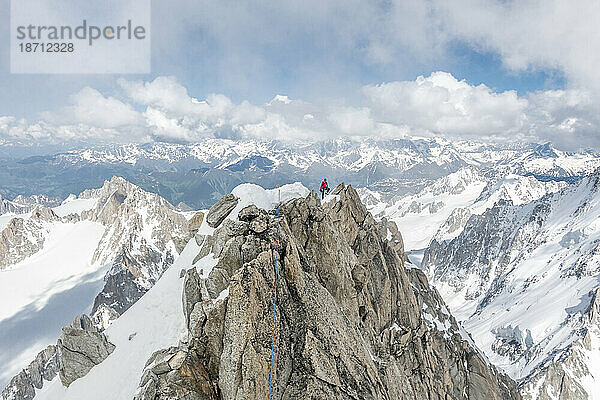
[324,188]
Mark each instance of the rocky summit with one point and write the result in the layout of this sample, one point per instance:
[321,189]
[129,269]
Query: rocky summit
[351,320]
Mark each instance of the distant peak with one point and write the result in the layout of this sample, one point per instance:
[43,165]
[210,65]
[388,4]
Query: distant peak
[545,150]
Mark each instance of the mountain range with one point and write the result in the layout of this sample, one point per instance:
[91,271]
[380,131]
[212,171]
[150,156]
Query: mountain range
[199,174]
[506,234]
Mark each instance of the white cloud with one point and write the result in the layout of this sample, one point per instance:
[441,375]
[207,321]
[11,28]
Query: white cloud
[531,34]
[435,105]
[568,118]
[164,92]
[167,128]
[442,104]
[353,121]
[90,107]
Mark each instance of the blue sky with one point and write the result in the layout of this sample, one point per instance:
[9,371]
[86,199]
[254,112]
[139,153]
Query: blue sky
[326,52]
[300,67]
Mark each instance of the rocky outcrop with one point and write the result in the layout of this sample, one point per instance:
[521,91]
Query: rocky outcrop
[104,316]
[80,347]
[45,367]
[196,221]
[351,322]
[220,210]
[24,237]
[389,230]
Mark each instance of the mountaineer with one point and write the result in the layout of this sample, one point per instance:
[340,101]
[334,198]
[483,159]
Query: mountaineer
[324,188]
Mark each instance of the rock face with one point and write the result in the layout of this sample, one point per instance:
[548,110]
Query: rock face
[143,236]
[81,346]
[351,322]
[24,237]
[220,210]
[45,367]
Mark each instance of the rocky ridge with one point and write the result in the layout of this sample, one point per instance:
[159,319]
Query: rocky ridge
[352,322]
[80,347]
[44,368]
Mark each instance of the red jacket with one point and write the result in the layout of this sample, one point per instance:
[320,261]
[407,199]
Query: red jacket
[324,185]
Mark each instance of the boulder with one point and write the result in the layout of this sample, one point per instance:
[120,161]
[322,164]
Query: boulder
[220,210]
[259,224]
[81,346]
[248,213]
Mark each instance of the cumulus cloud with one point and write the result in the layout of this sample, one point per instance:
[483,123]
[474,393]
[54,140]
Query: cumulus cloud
[329,48]
[568,118]
[90,107]
[438,104]
[441,104]
[12,128]
[529,34]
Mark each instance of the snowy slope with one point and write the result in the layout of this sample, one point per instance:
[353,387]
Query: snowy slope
[441,209]
[123,367]
[522,278]
[75,206]
[41,294]
[419,216]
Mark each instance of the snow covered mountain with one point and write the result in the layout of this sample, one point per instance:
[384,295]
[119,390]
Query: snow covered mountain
[345,329]
[21,204]
[505,232]
[540,160]
[98,253]
[524,279]
[199,174]
[441,209]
